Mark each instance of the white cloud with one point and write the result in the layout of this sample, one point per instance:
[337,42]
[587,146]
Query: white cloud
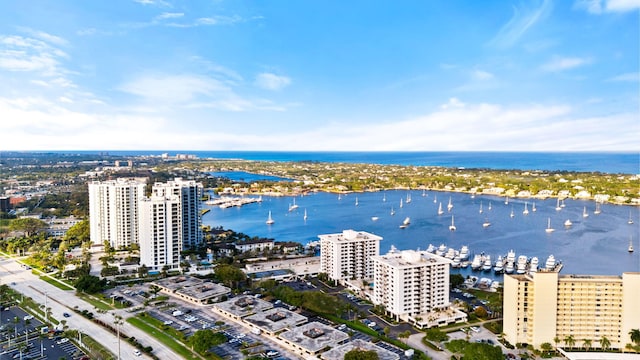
[607,6]
[18,53]
[272,81]
[564,63]
[631,77]
[53,39]
[521,21]
[168,15]
[452,103]
[481,75]
[160,3]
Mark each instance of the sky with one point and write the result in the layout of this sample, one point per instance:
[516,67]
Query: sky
[331,75]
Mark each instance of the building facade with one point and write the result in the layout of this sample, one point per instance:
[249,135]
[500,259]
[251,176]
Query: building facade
[113,211]
[170,223]
[546,305]
[411,284]
[348,255]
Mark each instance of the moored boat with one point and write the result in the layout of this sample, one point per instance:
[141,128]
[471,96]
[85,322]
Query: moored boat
[498,267]
[464,252]
[487,265]
[550,264]
[533,265]
[476,264]
[521,265]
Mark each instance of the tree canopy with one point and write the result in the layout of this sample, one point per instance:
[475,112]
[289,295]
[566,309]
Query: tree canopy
[203,340]
[29,226]
[90,284]
[360,354]
[78,234]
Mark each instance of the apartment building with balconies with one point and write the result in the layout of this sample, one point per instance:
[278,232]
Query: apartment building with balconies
[348,255]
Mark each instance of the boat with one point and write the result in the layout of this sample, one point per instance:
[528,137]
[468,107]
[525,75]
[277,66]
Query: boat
[441,250]
[511,256]
[452,227]
[484,283]
[455,263]
[424,192]
[568,223]
[533,265]
[431,248]
[498,267]
[512,214]
[408,200]
[400,203]
[384,197]
[509,269]
[393,212]
[374,218]
[464,252]
[339,197]
[630,221]
[480,211]
[450,205]
[293,206]
[585,213]
[549,229]
[562,203]
[551,263]
[486,223]
[476,264]
[558,208]
[356,201]
[486,264]
[489,205]
[521,265]
[533,207]
[269,219]
[440,211]
[305,215]
[630,248]
[506,200]
[450,254]
[597,211]
[405,223]
[435,199]
[471,281]
[525,211]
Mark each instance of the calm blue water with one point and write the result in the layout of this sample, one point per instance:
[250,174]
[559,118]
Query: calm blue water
[627,163]
[247,177]
[593,245]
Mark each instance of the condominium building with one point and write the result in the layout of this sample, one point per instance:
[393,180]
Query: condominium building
[348,255]
[411,285]
[170,223]
[544,306]
[190,196]
[113,211]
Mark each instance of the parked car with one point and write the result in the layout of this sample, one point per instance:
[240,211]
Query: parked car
[66,315]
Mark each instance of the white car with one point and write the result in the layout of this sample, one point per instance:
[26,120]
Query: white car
[62,341]
[168,322]
[137,352]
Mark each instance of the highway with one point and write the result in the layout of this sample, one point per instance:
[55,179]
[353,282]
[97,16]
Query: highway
[61,301]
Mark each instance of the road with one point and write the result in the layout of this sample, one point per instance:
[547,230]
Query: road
[62,301]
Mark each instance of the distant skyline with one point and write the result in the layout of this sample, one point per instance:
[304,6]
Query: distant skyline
[535,75]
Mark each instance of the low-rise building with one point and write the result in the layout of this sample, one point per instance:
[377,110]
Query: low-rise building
[310,339]
[254,245]
[339,352]
[192,289]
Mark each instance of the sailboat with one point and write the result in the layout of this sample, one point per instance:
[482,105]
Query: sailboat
[408,198]
[305,215]
[356,201]
[585,213]
[558,208]
[405,223]
[440,212]
[424,192]
[506,201]
[597,211]
[452,227]
[384,197]
[339,197]
[450,205]
[549,229]
[630,249]
[630,221]
[489,205]
[533,208]
[562,203]
[401,203]
[525,211]
[269,219]
[393,212]
[486,223]
[435,199]
[294,206]
[480,211]
[512,214]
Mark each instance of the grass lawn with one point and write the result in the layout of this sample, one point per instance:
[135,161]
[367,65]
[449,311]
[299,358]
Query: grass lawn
[95,301]
[54,282]
[166,339]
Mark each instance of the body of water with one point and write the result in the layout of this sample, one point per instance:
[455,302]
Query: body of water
[627,163]
[596,244]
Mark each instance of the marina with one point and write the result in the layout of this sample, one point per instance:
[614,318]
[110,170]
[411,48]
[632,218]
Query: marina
[602,238]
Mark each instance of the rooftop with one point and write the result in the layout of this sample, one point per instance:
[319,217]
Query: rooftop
[314,336]
[339,352]
[243,306]
[277,319]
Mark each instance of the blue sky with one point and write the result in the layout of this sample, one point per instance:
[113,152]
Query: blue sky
[320,75]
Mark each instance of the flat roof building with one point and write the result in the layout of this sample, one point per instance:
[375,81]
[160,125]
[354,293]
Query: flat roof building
[310,339]
[192,289]
[546,305]
[274,320]
[339,352]
[240,307]
[348,255]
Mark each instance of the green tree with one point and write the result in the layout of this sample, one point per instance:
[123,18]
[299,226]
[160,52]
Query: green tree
[203,340]
[604,343]
[90,284]
[586,343]
[359,354]
[569,341]
[78,233]
[546,347]
[29,226]
[230,275]
[435,334]
[455,280]
[635,336]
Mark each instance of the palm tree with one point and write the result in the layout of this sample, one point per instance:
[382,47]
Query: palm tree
[635,336]
[586,343]
[629,347]
[556,340]
[569,341]
[604,343]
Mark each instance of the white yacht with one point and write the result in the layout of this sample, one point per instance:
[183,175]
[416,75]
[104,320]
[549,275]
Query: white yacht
[506,200]
[585,213]
[511,256]
[533,265]
[489,205]
[431,248]
[512,214]
[498,267]
[476,264]
[405,223]
[568,223]
[440,211]
[508,269]
[549,229]
[630,221]
[393,212]
[551,263]
[400,203]
[455,263]
[451,253]
[450,205]
[269,219]
[521,265]
[525,211]
[487,265]
[441,250]
[452,227]
[356,201]
[486,223]
[435,199]
[374,218]
[293,206]
[464,252]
